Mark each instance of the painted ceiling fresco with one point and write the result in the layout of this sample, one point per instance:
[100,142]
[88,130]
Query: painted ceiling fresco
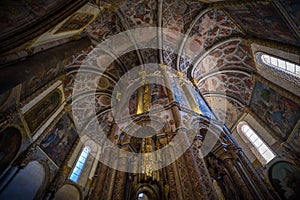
[213,54]
[210,28]
[140,13]
[232,54]
[267,21]
[219,60]
[279,112]
[107,24]
[177,15]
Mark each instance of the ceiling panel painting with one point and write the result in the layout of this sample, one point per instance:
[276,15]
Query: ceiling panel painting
[233,54]
[106,25]
[236,85]
[212,27]
[264,21]
[178,14]
[140,13]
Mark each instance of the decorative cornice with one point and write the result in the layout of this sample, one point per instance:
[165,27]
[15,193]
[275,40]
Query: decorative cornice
[274,45]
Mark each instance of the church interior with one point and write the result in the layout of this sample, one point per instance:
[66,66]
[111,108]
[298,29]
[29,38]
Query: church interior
[150,99]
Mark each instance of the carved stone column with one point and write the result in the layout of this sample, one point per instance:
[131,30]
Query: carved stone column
[262,191]
[199,176]
[120,181]
[246,181]
[194,178]
[171,182]
[230,164]
[100,179]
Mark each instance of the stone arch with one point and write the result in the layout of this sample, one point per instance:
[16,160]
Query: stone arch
[10,143]
[28,183]
[148,191]
[69,191]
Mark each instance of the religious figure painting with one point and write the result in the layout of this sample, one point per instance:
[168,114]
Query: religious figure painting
[75,22]
[285,178]
[58,142]
[279,112]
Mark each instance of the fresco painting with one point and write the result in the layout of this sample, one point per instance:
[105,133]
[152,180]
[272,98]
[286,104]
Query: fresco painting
[106,25]
[263,21]
[285,178]
[279,112]
[40,112]
[140,13]
[59,141]
[75,22]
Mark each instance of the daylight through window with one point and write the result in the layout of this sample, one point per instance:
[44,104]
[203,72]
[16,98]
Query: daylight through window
[80,164]
[257,142]
[281,64]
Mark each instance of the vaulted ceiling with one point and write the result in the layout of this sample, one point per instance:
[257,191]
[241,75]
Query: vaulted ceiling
[215,53]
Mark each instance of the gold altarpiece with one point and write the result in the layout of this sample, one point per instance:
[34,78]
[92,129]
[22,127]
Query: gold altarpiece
[222,173]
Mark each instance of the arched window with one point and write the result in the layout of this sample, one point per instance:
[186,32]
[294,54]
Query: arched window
[264,151]
[80,164]
[281,64]
[143,196]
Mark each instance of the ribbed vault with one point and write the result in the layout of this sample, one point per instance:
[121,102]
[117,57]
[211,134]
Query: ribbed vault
[219,58]
[215,53]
